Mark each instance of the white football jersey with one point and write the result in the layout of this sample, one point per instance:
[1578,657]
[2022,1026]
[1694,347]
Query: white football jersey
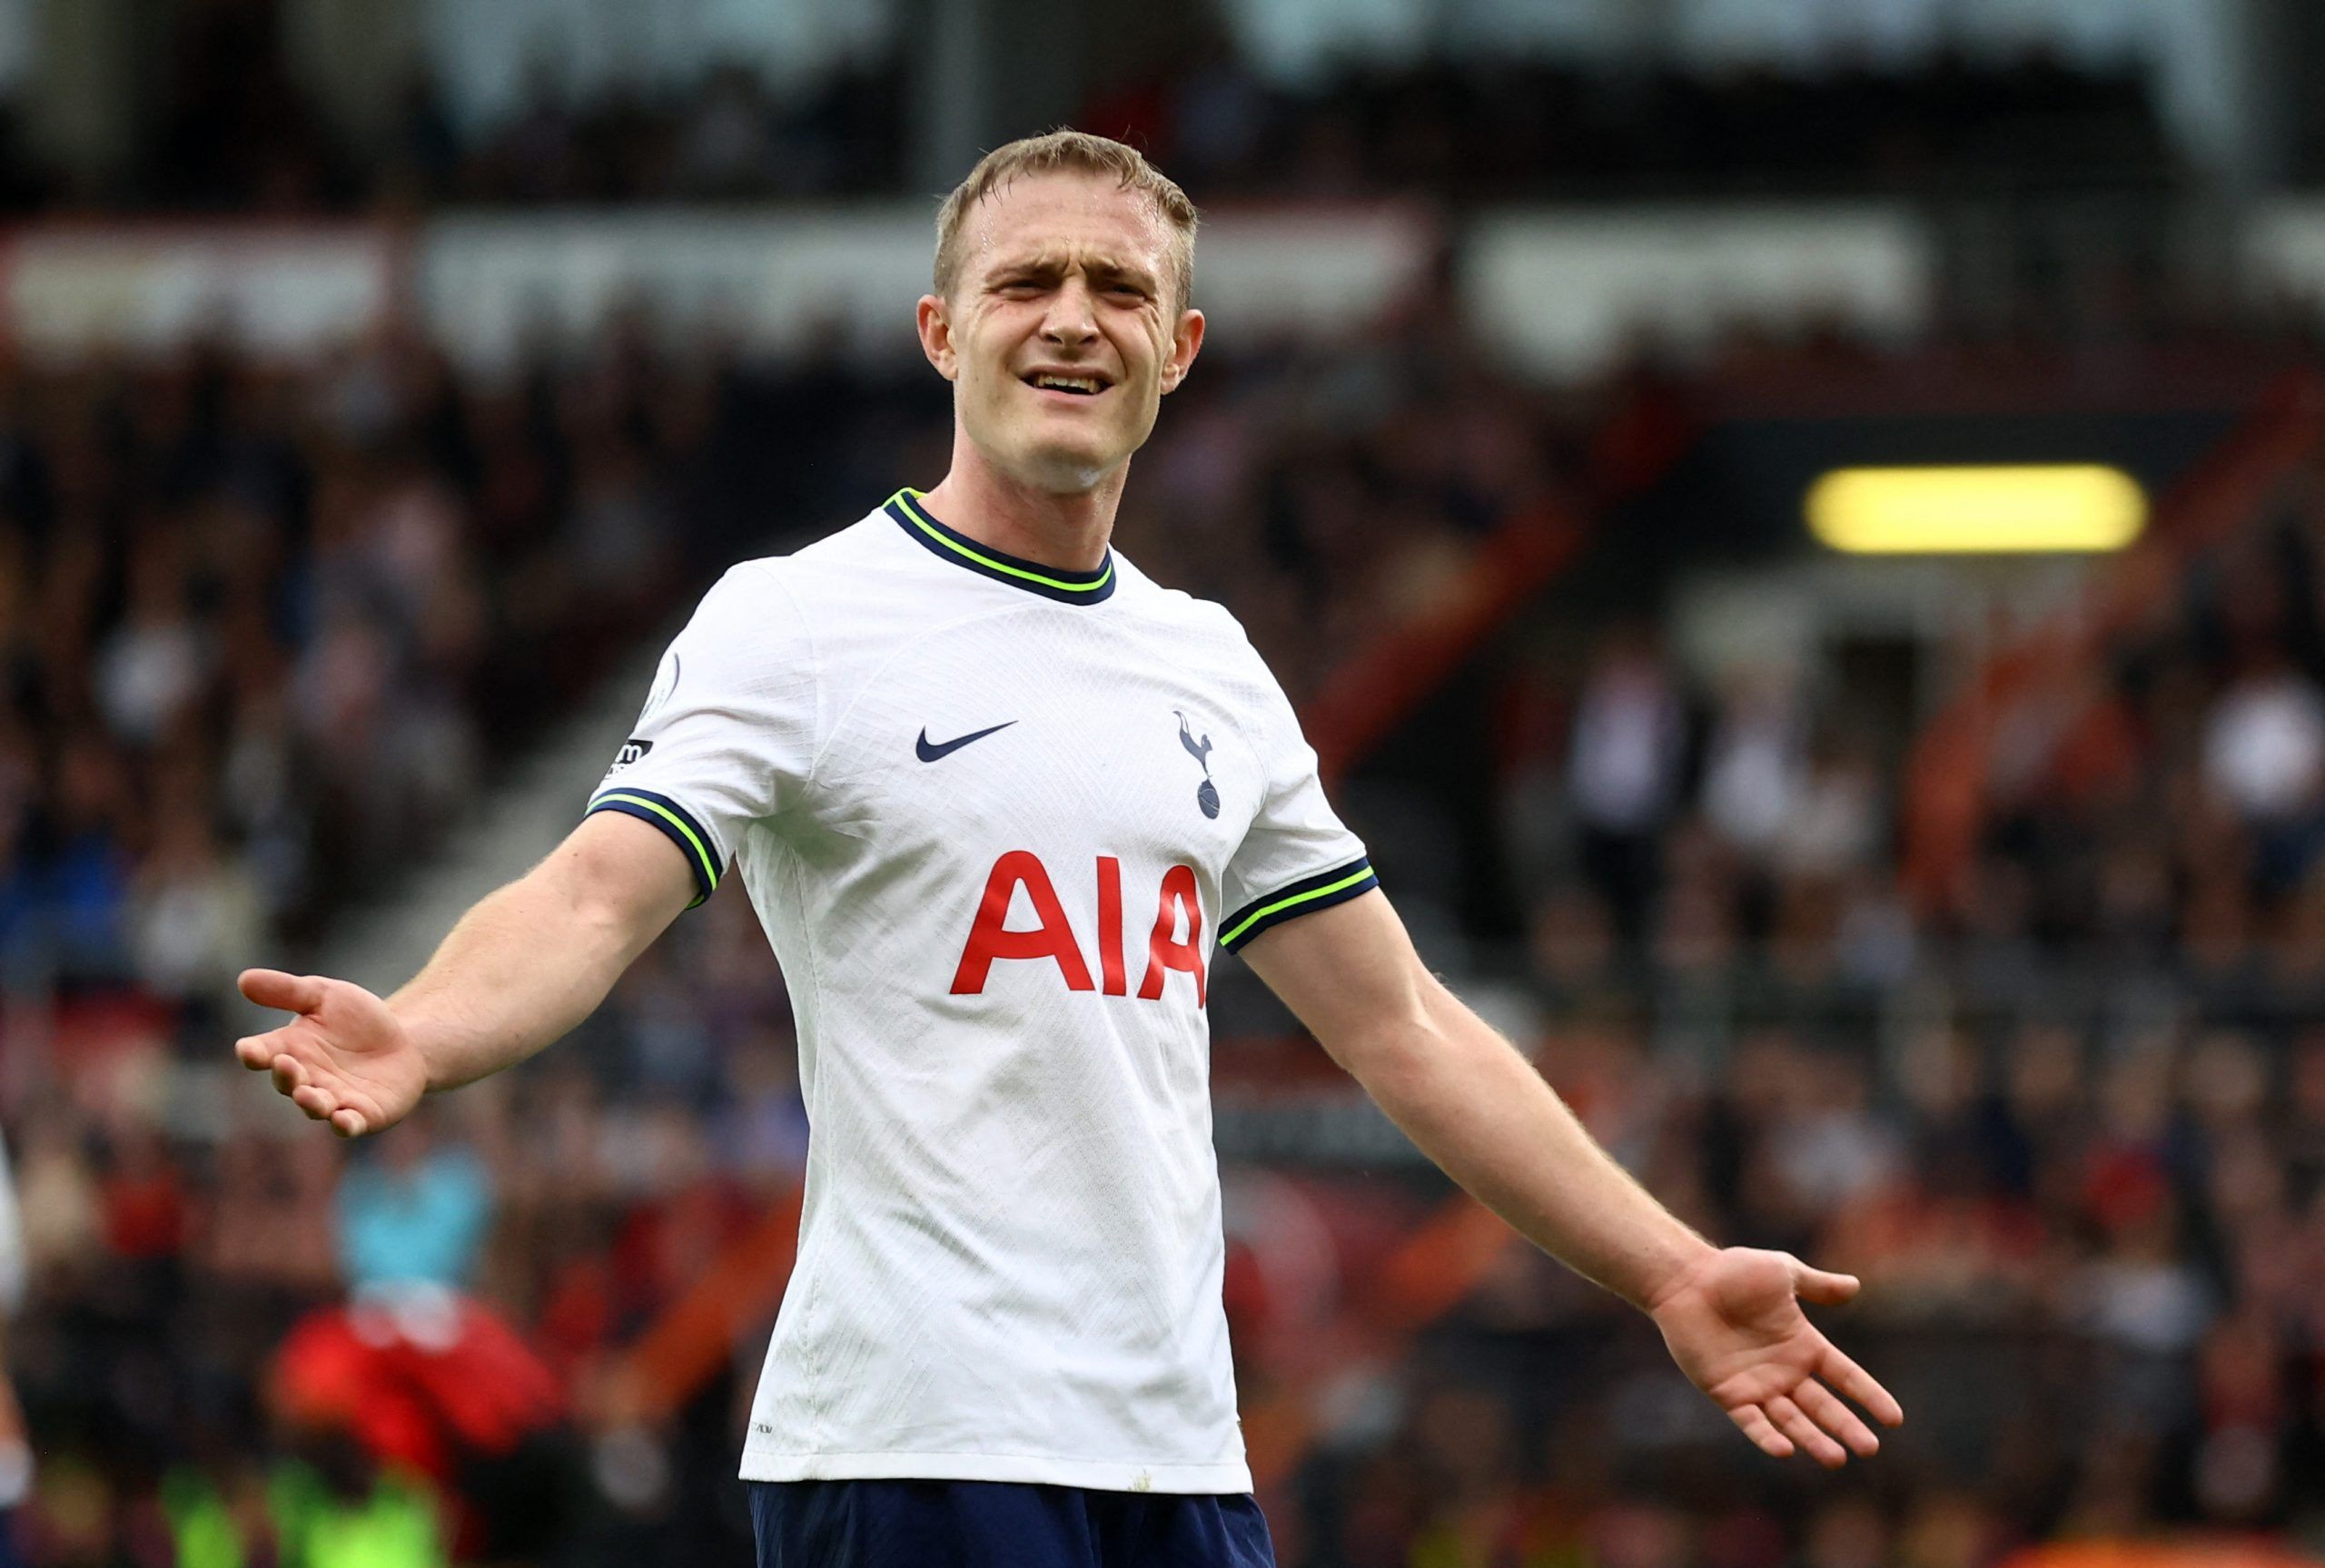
[994,816]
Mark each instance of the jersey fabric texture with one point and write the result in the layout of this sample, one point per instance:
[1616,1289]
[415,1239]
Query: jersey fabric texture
[993,816]
[989,1524]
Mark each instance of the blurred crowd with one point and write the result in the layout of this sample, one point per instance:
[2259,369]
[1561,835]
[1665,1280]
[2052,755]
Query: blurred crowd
[2091,1263]
[2151,839]
[2176,822]
[1478,129]
[1492,129]
[231,127]
[263,629]
[225,1310]
[2066,1117]
[2090,1266]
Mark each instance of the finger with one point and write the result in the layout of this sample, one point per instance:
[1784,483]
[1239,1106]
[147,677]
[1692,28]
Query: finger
[272,988]
[1854,1381]
[1755,1426]
[1825,1290]
[317,1103]
[1820,1405]
[347,1123]
[290,1074]
[257,1051]
[1790,1420]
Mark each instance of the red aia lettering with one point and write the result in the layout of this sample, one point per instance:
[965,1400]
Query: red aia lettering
[1110,925]
[1164,949]
[989,939]
[1180,905]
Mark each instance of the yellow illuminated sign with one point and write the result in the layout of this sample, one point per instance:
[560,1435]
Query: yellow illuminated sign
[2021,508]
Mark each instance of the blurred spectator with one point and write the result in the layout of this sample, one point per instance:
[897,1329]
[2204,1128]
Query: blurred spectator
[195,917]
[1757,764]
[2265,742]
[417,1211]
[1623,773]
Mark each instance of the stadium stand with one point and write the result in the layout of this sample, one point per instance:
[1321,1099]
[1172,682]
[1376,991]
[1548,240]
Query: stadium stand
[267,625]
[231,129]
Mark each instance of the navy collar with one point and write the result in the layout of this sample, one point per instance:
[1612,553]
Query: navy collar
[1067,587]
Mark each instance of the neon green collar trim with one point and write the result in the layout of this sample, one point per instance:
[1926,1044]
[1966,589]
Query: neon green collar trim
[1051,582]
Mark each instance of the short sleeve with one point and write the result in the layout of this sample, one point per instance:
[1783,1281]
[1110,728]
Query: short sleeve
[726,736]
[1297,857]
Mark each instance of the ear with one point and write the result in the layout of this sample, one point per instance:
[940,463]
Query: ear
[936,335]
[1186,342]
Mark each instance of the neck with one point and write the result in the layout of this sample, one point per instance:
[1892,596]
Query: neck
[1069,531]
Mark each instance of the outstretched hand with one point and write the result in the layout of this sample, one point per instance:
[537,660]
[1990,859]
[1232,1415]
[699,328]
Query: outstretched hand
[1734,1326]
[344,1058]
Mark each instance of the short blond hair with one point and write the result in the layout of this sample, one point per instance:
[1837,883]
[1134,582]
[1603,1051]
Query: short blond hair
[1068,152]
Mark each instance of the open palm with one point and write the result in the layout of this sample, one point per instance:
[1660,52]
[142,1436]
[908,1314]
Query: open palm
[1735,1325]
[344,1058]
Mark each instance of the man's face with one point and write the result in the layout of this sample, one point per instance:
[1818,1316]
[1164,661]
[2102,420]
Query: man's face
[1062,331]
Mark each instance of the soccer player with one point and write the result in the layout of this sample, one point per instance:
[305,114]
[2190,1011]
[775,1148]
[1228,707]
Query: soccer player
[994,793]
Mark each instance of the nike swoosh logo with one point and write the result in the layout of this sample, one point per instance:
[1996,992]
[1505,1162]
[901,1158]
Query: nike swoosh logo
[928,753]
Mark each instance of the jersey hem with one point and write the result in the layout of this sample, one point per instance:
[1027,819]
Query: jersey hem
[1095,1476]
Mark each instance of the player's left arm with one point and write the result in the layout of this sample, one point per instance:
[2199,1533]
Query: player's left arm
[1731,1317]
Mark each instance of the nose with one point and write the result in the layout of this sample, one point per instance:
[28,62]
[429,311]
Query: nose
[1069,321]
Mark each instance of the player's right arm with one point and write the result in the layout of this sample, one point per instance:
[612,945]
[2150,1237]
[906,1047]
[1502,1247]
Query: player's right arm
[520,968]
[727,739]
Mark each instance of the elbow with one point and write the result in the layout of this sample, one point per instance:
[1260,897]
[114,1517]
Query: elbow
[1393,1057]
[591,897]
[602,919]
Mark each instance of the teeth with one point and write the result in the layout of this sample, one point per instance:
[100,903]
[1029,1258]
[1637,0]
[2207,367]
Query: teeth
[1067,383]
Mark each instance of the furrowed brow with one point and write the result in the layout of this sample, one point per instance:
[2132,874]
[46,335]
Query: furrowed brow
[1048,267]
[1039,269]
[1131,273]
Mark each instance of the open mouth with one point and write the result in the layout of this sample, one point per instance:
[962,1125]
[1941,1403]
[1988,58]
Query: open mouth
[1077,385]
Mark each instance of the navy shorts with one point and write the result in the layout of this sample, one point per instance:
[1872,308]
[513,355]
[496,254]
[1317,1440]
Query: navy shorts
[1000,1524]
